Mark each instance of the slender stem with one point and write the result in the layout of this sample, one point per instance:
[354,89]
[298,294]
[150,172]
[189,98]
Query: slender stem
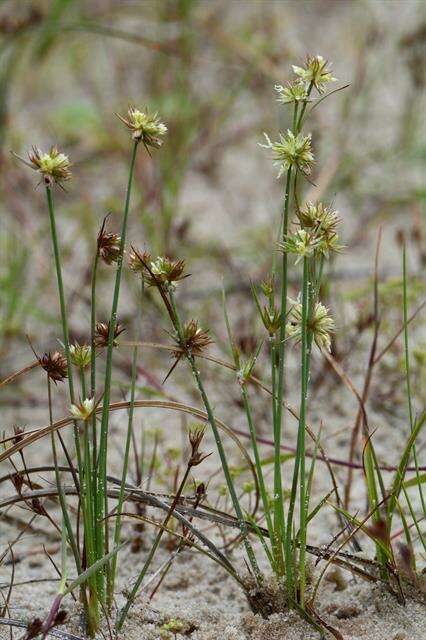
[64,319]
[102,499]
[301,431]
[117,531]
[408,373]
[94,494]
[240,516]
[259,470]
[151,553]
[279,523]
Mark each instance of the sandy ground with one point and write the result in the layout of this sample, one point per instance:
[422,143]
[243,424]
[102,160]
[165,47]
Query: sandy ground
[210,605]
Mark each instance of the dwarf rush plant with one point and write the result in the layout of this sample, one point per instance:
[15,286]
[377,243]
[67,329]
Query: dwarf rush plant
[273,529]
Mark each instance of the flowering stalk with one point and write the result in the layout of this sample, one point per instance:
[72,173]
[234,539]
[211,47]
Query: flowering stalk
[64,319]
[279,522]
[111,577]
[101,502]
[240,516]
[300,449]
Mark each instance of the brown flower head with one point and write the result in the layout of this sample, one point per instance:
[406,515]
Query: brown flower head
[55,366]
[196,434]
[102,333]
[161,271]
[195,340]
[138,261]
[108,245]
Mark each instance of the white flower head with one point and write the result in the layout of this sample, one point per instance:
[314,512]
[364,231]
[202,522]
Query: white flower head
[292,92]
[83,410]
[316,71]
[291,151]
[302,243]
[320,323]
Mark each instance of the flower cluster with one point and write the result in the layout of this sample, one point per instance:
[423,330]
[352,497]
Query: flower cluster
[55,365]
[83,409]
[292,92]
[302,243]
[320,323]
[291,151]
[161,271]
[194,338]
[145,127]
[53,166]
[102,333]
[316,71]
[108,245]
[322,222]
[80,355]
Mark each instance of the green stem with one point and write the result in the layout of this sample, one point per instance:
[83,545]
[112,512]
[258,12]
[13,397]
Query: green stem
[259,470]
[279,523]
[111,581]
[102,500]
[408,373]
[240,516]
[64,319]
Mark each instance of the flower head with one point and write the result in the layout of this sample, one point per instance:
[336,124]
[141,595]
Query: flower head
[53,166]
[292,92]
[146,127]
[55,365]
[196,434]
[167,271]
[138,261]
[102,333]
[161,271]
[195,339]
[318,217]
[83,409]
[80,355]
[108,245]
[316,71]
[302,243]
[322,222]
[291,151]
[320,323]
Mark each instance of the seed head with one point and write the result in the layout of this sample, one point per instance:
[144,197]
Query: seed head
[80,355]
[195,339]
[196,434]
[137,261]
[320,323]
[292,92]
[55,366]
[53,166]
[316,70]
[302,243]
[145,127]
[83,409]
[102,333]
[291,151]
[108,245]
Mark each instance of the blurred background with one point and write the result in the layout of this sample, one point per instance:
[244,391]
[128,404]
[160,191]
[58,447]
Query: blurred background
[210,194]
